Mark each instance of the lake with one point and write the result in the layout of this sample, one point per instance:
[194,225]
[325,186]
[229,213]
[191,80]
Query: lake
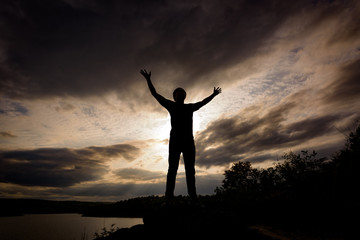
[58,226]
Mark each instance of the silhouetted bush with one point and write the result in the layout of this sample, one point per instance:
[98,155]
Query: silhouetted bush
[346,169]
[297,175]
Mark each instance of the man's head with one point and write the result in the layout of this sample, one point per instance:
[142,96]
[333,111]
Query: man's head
[179,95]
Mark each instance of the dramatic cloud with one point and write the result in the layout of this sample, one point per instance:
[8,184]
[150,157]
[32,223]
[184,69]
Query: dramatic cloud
[238,137]
[60,167]
[61,48]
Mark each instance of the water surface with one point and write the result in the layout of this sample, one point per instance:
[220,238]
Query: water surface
[58,226]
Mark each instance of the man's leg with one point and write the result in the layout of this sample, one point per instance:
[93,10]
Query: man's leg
[189,161]
[174,157]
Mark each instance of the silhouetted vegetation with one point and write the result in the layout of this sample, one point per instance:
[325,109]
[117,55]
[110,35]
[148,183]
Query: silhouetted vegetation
[106,232]
[298,176]
[346,168]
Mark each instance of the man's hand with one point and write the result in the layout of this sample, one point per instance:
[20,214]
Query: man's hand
[145,74]
[217,91]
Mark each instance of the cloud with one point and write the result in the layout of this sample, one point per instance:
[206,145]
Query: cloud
[64,107]
[7,134]
[252,135]
[345,89]
[126,151]
[85,191]
[89,48]
[137,174]
[205,184]
[13,108]
[60,167]
[109,191]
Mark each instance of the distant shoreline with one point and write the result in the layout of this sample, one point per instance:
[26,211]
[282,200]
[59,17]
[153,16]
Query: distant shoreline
[19,207]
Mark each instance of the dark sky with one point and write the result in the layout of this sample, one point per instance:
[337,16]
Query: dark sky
[84,48]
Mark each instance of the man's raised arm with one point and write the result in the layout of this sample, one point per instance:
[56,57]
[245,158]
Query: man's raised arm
[216,92]
[157,96]
[147,76]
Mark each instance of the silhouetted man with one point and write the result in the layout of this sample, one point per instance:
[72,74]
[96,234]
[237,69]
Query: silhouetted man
[181,136]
